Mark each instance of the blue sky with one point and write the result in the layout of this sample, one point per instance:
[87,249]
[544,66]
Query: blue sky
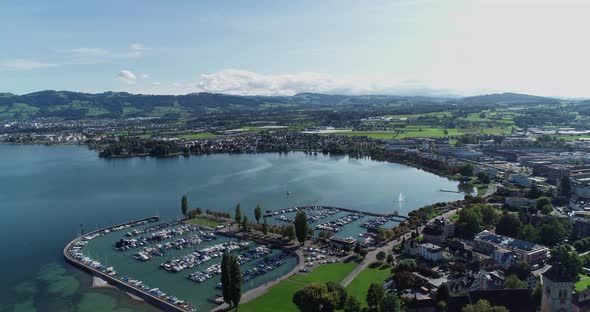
[286,47]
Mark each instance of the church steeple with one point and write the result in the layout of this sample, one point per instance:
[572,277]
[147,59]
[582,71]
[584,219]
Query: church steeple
[558,286]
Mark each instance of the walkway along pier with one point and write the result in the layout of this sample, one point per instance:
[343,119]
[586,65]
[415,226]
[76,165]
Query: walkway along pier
[113,280]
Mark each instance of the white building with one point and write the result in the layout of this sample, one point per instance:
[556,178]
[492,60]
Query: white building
[431,252]
[520,179]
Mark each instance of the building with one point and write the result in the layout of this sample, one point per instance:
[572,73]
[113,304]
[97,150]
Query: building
[438,231]
[579,203]
[581,187]
[484,280]
[344,243]
[581,301]
[553,172]
[520,179]
[580,227]
[431,252]
[520,202]
[504,258]
[558,287]
[410,247]
[487,243]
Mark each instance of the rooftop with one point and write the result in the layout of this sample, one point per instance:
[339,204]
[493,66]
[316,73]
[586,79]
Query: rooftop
[507,241]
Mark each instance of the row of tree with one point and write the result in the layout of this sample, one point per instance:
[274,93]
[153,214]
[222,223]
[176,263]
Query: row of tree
[329,297]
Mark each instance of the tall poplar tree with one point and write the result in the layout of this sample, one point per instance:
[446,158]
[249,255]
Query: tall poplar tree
[184,205]
[238,216]
[301,226]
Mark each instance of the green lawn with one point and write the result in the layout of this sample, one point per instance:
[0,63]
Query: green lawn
[334,272]
[200,135]
[202,221]
[360,285]
[583,283]
[281,294]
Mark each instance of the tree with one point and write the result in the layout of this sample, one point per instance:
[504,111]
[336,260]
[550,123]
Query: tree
[257,213]
[483,177]
[508,225]
[489,214]
[375,295]
[544,205]
[358,248]
[552,230]
[390,259]
[301,226]
[289,231]
[466,170]
[534,191]
[340,293]
[406,265]
[352,305]
[391,303]
[225,278]
[565,186]
[469,222]
[265,227]
[569,259]
[235,289]
[404,280]
[483,306]
[513,282]
[381,256]
[527,233]
[521,269]
[245,224]
[184,205]
[320,297]
[199,211]
[443,293]
[238,216]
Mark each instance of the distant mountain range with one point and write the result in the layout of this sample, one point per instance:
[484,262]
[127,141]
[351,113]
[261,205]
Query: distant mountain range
[77,105]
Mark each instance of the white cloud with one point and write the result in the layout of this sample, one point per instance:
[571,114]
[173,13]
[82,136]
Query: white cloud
[133,51]
[24,64]
[127,77]
[156,83]
[241,82]
[144,76]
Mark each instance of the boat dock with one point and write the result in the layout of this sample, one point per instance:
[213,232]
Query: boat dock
[448,191]
[68,253]
[270,213]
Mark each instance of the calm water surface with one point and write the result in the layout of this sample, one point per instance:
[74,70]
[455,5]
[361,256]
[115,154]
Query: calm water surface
[47,192]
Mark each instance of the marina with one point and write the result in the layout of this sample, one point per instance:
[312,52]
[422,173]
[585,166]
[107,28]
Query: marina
[197,250]
[343,222]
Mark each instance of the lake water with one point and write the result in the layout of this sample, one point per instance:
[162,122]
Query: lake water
[46,193]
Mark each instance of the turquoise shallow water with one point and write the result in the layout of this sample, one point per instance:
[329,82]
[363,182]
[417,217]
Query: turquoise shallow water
[46,192]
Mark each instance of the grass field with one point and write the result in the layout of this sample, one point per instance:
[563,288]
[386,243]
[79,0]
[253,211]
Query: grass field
[583,283]
[281,294]
[360,285]
[200,135]
[202,221]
